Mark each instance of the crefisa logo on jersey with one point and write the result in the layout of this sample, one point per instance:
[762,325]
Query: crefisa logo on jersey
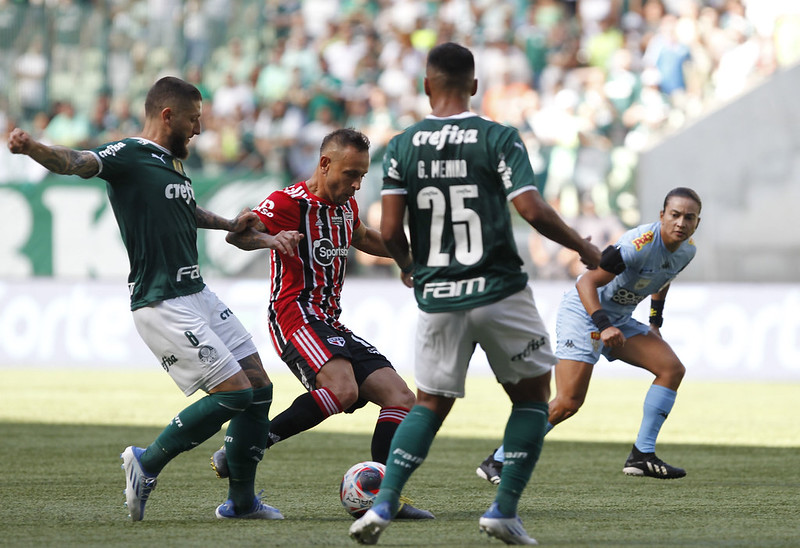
[112,149]
[325,252]
[450,133]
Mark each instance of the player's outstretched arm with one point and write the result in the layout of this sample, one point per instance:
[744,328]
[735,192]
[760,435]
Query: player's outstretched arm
[256,237]
[369,240]
[546,220]
[61,160]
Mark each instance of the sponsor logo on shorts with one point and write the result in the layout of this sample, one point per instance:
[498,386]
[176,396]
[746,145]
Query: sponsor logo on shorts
[569,344]
[207,354]
[532,346]
[166,361]
[595,335]
[336,341]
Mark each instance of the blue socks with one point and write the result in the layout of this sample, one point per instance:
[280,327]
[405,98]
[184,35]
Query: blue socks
[657,405]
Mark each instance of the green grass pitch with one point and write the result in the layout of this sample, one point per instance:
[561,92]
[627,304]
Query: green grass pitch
[61,433]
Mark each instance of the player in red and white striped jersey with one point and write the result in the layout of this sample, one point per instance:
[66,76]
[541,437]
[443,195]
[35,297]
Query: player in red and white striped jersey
[341,371]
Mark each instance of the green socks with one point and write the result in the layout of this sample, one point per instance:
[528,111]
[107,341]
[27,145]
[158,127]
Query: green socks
[410,446]
[245,443]
[523,440]
[193,426]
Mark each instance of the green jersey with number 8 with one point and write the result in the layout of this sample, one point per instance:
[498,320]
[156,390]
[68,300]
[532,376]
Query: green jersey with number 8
[458,175]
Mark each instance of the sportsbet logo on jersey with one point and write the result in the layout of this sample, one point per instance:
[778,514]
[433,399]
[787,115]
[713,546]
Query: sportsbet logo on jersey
[325,252]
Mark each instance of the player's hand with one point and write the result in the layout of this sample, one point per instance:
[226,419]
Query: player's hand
[655,330]
[407,278]
[19,141]
[286,241]
[612,337]
[244,220]
[590,254]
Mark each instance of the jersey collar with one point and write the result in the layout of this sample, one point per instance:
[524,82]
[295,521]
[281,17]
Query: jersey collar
[461,116]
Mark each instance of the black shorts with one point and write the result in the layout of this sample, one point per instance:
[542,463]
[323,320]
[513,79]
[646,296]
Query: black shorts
[331,343]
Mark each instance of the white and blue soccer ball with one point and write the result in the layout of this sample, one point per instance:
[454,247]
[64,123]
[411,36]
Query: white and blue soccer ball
[360,485]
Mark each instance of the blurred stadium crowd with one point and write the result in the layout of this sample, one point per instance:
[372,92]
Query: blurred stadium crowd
[589,83]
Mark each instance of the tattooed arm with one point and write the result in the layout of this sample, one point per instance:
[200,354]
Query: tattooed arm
[61,160]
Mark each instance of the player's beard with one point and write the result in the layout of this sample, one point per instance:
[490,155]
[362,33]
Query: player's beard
[178,148]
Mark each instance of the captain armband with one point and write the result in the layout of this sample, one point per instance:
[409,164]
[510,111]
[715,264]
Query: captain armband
[611,260]
[656,312]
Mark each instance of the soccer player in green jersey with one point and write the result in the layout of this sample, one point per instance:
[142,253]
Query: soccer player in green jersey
[455,173]
[196,338]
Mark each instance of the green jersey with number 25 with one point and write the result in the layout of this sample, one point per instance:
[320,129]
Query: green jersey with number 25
[458,175]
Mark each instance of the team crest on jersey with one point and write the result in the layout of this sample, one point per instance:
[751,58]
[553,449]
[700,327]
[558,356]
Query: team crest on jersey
[643,240]
[336,341]
[641,283]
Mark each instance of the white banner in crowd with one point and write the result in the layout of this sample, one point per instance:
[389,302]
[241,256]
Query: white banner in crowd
[720,331]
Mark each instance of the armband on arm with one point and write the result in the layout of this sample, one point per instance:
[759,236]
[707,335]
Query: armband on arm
[611,260]
[656,312]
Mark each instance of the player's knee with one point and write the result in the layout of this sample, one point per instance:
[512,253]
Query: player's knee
[347,394]
[402,397]
[564,407]
[677,372]
[236,400]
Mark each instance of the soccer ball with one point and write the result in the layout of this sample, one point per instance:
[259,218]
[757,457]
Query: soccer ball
[360,485]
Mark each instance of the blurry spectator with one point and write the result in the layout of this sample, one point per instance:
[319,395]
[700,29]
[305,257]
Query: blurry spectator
[669,56]
[194,75]
[547,260]
[604,230]
[68,128]
[305,153]
[196,34]
[600,46]
[343,53]
[101,121]
[67,24]
[275,132]
[503,101]
[274,78]
[30,70]
[648,114]
[233,99]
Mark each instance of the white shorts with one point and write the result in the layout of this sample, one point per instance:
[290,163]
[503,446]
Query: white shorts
[510,332]
[193,337]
